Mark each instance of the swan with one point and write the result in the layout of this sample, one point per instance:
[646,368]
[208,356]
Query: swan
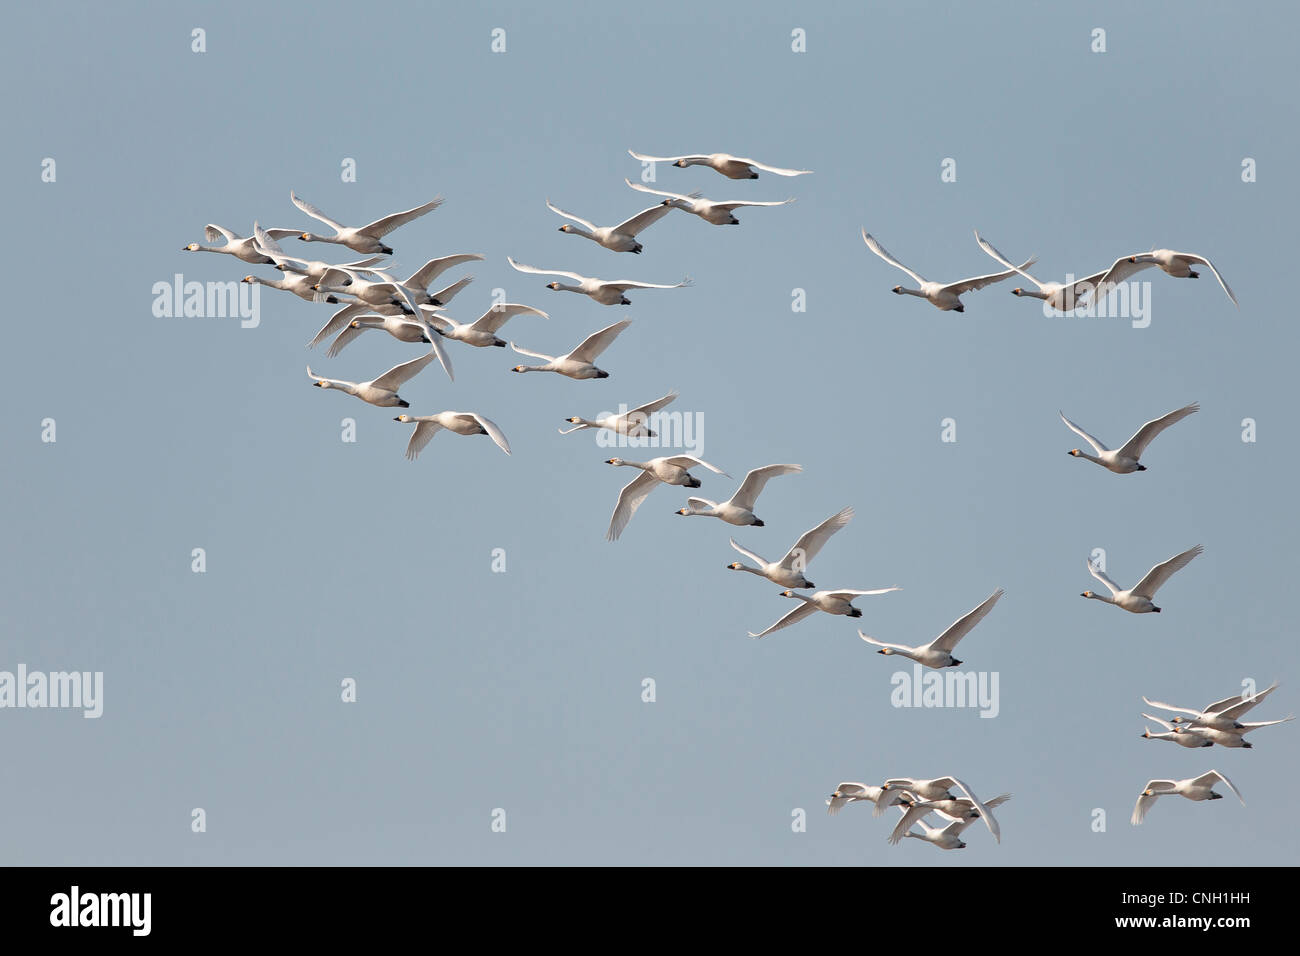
[936,789]
[938,653]
[1177,264]
[789,571]
[631,423]
[417,286]
[946,837]
[578,363]
[264,242]
[1193,788]
[300,285]
[1137,599]
[603,291]
[352,310]
[236,245]
[402,329]
[1221,715]
[620,238]
[953,809]
[1235,738]
[462,423]
[482,332]
[336,282]
[733,167]
[1177,735]
[1063,297]
[1124,460]
[718,213]
[670,470]
[381,391]
[832,602]
[943,296]
[361,238]
[739,508]
[847,793]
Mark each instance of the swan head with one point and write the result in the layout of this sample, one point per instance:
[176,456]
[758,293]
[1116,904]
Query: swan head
[566,228]
[248,279]
[404,418]
[885,650]
[555,286]
[736,566]
[306,237]
[613,461]
[682,163]
[1085,594]
[681,511]
[1147,793]
[574,420]
[518,368]
[897,290]
[320,384]
[1017,291]
[355,324]
[1074,452]
[1146,734]
[787,594]
[192,247]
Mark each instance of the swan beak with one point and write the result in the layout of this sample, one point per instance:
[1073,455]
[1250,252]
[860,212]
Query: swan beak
[1016,291]
[552,285]
[897,290]
[1084,593]
[680,511]
[304,236]
[246,279]
[609,461]
[787,594]
[517,368]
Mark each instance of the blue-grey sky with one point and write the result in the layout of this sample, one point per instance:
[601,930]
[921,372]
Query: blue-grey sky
[522,690]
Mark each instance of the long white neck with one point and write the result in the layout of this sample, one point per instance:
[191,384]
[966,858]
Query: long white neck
[579,231]
[1099,597]
[1084,454]
[1031,293]
[916,292]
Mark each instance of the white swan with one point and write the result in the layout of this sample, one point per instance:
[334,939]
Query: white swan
[1177,264]
[669,470]
[300,285]
[1061,296]
[718,213]
[739,508]
[630,423]
[619,238]
[361,238]
[946,837]
[264,241]
[1176,735]
[938,653]
[578,363]
[1221,715]
[381,391]
[832,602]
[480,333]
[1137,599]
[789,571]
[960,808]
[1235,738]
[937,788]
[399,327]
[1193,788]
[847,793]
[1124,460]
[462,423]
[733,167]
[352,310]
[606,292]
[236,245]
[943,296]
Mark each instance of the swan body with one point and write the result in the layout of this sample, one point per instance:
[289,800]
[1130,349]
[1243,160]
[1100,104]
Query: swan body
[577,364]
[631,423]
[1138,599]
[669,470]
[606,292]
[381,391]
[462,423]
[1124,460]
[1220,715]
[1193,788]
[236,245]
[739,508]
[1177,264]
[789,571]
[832,602]
[717,213]
[847,793]
[733,167]
[402,329]
[945,296]
[938,653]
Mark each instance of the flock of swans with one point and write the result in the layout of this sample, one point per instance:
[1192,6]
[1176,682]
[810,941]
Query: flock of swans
[373,298]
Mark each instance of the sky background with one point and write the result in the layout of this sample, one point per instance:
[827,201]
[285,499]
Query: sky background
[522,690]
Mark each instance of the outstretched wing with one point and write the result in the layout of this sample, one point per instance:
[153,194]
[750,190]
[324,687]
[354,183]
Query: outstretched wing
[568,215]
[597,342]
[798,614]
[543,272]
[1135,446]
[423,434]
[1100,575]
[738,204]
[646,217]
[491,428]
[396,376]
[495,317]
[665,159]
[315,213]
[624,284]
[436,267]
[774,169]
[382,227]
[642,188]
[1162,572]
[629,499]
[650,408]
[687,461]
[1208,779]
[879,250]
[747,494]
[758,558]
[213,232]
[1209,265]
[1097,446]
[962,626]
[337,321]
[979,282]
[988,248]
[811,542]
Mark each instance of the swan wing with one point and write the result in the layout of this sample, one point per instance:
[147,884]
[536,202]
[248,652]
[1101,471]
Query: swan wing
[1208,779]
[213,232]
[549,358]
[315,213]
[688,462]
[646,217]
[1190,257]
[497,316]
[811,542]
[398,375]
[568,215]
[643,188]
[1135,446]
[775,169]
[988,248]
[337,321]
[436,267]
[520,267]
[979,282]
[624,284]
[879,250]
[650,408]
[666,159]
[1162,572]
[1236,706]
[738,204]
[344,337]
[629,499]
[382,227]
[798,614]
[597,342]
[494,432]
[423,434]
[1100,575]
[962,626]
[1097,446]
[758,558]
[747,494]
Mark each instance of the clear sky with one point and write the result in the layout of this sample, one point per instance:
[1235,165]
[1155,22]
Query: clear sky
[522,690]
